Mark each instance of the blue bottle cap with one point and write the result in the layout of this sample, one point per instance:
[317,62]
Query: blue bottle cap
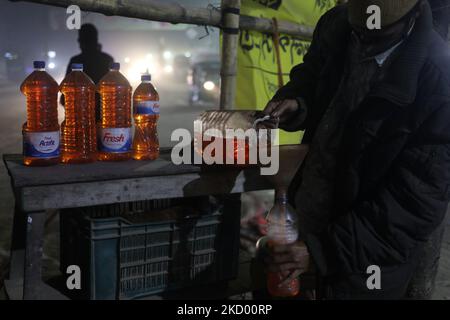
[77,66]
[115,66]
[39,64]
[146,77]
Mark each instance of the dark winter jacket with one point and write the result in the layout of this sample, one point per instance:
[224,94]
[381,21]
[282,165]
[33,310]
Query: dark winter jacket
[393,175]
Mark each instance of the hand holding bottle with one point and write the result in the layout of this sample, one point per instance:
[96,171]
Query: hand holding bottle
[289,260]
[285,255]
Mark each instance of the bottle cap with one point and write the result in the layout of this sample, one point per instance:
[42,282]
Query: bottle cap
[146,77]
[39,64]
[115,66]
[77,66]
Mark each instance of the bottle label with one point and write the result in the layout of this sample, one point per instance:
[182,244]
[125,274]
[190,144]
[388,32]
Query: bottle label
[115,139]
[147,107]
[41,144]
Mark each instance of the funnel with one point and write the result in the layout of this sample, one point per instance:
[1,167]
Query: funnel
[291,157]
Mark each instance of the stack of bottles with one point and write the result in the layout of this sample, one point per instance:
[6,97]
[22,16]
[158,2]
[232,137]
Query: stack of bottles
[81,139]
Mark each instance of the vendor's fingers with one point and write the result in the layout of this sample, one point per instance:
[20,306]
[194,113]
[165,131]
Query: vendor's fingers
[295,248]
[281,258]
[286,261]
[280,248]
[284,109]
[282,267]
[269,124]
[294,275]
[271,107]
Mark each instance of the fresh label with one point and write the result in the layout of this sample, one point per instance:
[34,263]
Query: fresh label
[147,107]
[41,144]
[115,139]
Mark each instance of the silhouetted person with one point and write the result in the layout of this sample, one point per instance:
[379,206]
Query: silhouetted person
[95,62]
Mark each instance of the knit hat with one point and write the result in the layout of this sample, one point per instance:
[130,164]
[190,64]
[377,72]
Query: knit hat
[391,10]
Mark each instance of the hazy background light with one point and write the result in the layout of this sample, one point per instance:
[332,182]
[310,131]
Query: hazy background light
[167,55]
[209,85]
[51,54]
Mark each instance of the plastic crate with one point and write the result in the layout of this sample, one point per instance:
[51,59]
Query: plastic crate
[122,255]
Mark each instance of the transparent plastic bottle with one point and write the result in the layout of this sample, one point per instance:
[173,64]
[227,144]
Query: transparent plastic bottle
[114,129]
[146,115]
[282,229]
[78,130]
[41,136]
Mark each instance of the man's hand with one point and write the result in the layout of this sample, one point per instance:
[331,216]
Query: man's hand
[291,260]
[280,111]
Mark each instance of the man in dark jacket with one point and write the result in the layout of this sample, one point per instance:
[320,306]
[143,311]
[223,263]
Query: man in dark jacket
[375,107]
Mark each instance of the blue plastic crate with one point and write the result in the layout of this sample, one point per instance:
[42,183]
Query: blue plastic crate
[124,259]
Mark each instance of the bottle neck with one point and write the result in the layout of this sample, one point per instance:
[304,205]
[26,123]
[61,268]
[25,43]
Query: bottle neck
[281,196]
[39,69]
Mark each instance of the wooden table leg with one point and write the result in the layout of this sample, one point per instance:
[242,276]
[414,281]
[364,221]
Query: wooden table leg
[17,255]
[35,223]
[231,225]
[25,274]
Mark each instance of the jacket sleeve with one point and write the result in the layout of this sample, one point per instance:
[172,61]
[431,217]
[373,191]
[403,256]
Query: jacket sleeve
[304,77]
[411,202]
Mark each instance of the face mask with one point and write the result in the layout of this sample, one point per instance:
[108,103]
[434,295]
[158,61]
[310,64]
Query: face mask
[374,42]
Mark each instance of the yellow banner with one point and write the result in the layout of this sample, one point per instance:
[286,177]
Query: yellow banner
[257,79]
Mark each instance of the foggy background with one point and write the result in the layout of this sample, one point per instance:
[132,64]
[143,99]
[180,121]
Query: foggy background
[31,32]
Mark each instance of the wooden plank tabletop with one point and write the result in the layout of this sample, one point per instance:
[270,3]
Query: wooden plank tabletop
[68,186]
[23,176]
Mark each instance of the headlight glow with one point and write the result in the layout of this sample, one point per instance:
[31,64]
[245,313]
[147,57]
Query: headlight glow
[167,55]
[209,85]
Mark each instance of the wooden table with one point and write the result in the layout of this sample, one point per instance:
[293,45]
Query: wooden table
[39,189]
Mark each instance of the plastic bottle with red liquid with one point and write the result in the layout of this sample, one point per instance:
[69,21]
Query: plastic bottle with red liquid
[78,130]
[282,229]
[114,128]
[146,115]
[41,136]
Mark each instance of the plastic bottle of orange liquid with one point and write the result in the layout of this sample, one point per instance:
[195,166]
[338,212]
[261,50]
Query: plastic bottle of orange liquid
[146,115]
[114,129]
[78,130]
[282,229]
[41,135]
